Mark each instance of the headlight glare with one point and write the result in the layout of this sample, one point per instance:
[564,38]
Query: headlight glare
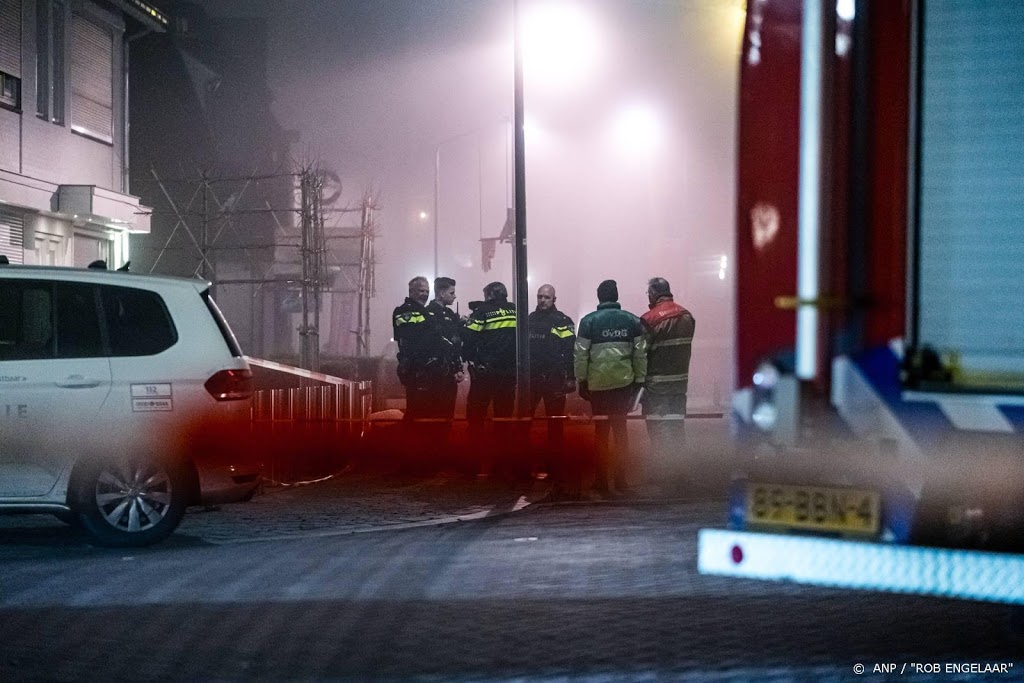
[766,376]
[765,416]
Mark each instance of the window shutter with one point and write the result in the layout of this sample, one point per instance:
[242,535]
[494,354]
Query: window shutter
[12,231]
[10,37]
[92,76]
[972,163]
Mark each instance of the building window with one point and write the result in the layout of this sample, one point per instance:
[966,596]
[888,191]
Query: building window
[12,236]
[10,92]
[42,59]
[10,54]
[51,18]
[92,79]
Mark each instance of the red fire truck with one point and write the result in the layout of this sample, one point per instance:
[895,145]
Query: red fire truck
[880,298]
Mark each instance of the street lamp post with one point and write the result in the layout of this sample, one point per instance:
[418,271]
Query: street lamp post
[437,191]
[437,183]
[520,263]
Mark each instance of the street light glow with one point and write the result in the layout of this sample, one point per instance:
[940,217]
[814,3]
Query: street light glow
[423,215]
[846,9]
[530,130]
[560,43]
[638,128]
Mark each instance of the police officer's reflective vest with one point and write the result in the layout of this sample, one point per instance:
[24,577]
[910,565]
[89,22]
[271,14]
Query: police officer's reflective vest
[489,342]
[552,337]
[410,323]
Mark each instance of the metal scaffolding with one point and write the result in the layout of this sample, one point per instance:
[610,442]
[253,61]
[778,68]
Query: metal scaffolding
[303,240]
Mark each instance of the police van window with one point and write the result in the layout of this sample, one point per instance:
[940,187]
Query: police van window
[26,320]
[78,322]
[138,323]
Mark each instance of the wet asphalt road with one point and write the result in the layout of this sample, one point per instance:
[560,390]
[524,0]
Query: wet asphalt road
[596,592]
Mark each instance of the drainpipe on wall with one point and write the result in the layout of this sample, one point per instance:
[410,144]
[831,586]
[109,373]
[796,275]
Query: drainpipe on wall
[124,105]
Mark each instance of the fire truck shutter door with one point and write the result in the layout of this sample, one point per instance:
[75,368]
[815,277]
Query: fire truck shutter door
[971,201]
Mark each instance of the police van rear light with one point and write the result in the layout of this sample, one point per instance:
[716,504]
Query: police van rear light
[230,385]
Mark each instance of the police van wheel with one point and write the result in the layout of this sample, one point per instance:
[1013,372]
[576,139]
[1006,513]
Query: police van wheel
[130,502]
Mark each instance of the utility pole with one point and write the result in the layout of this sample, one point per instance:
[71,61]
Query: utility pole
[366,284]
[520,263]
[304,347]
[206,223]
[437,201]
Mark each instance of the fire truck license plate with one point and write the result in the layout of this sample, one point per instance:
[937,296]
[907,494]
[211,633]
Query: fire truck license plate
[813,508]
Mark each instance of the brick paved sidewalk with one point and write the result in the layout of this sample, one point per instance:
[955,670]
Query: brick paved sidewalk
[372,496]
[353,503]
[357,502]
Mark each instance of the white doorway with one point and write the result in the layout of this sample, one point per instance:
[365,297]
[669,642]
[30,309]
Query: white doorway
[89,248]
[50,250]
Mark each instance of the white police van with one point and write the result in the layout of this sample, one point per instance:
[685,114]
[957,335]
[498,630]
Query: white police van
[107,381]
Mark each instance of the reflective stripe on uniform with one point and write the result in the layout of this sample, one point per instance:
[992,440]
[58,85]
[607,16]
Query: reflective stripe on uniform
[495,323]
[654,379]
[409,318]
[680,341]
[562,332]
[602,351]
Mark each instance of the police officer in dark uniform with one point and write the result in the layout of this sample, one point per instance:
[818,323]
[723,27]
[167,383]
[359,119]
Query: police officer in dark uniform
[412,331]
[446,357]
[552,338]
[489,347]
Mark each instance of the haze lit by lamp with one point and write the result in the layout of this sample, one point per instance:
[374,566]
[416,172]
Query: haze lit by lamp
[560,43]
[531,132]
[423,215]
[846,9]
[637,129]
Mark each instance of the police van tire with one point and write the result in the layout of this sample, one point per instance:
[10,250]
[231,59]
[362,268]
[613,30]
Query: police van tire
[130,502]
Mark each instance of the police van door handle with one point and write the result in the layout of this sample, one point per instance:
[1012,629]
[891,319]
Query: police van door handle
[78,382]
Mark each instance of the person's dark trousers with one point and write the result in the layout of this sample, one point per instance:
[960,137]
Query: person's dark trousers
[426,442]
[609,408]
[666,427]
[611,465]
[415,440]
[441,395]
[417,402]
[485,390]
[554,404]
[442,407]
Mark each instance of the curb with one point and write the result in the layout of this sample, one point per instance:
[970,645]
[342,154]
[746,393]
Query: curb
[521,504]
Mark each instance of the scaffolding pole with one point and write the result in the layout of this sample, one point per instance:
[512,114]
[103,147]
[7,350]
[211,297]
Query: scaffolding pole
[312,244]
